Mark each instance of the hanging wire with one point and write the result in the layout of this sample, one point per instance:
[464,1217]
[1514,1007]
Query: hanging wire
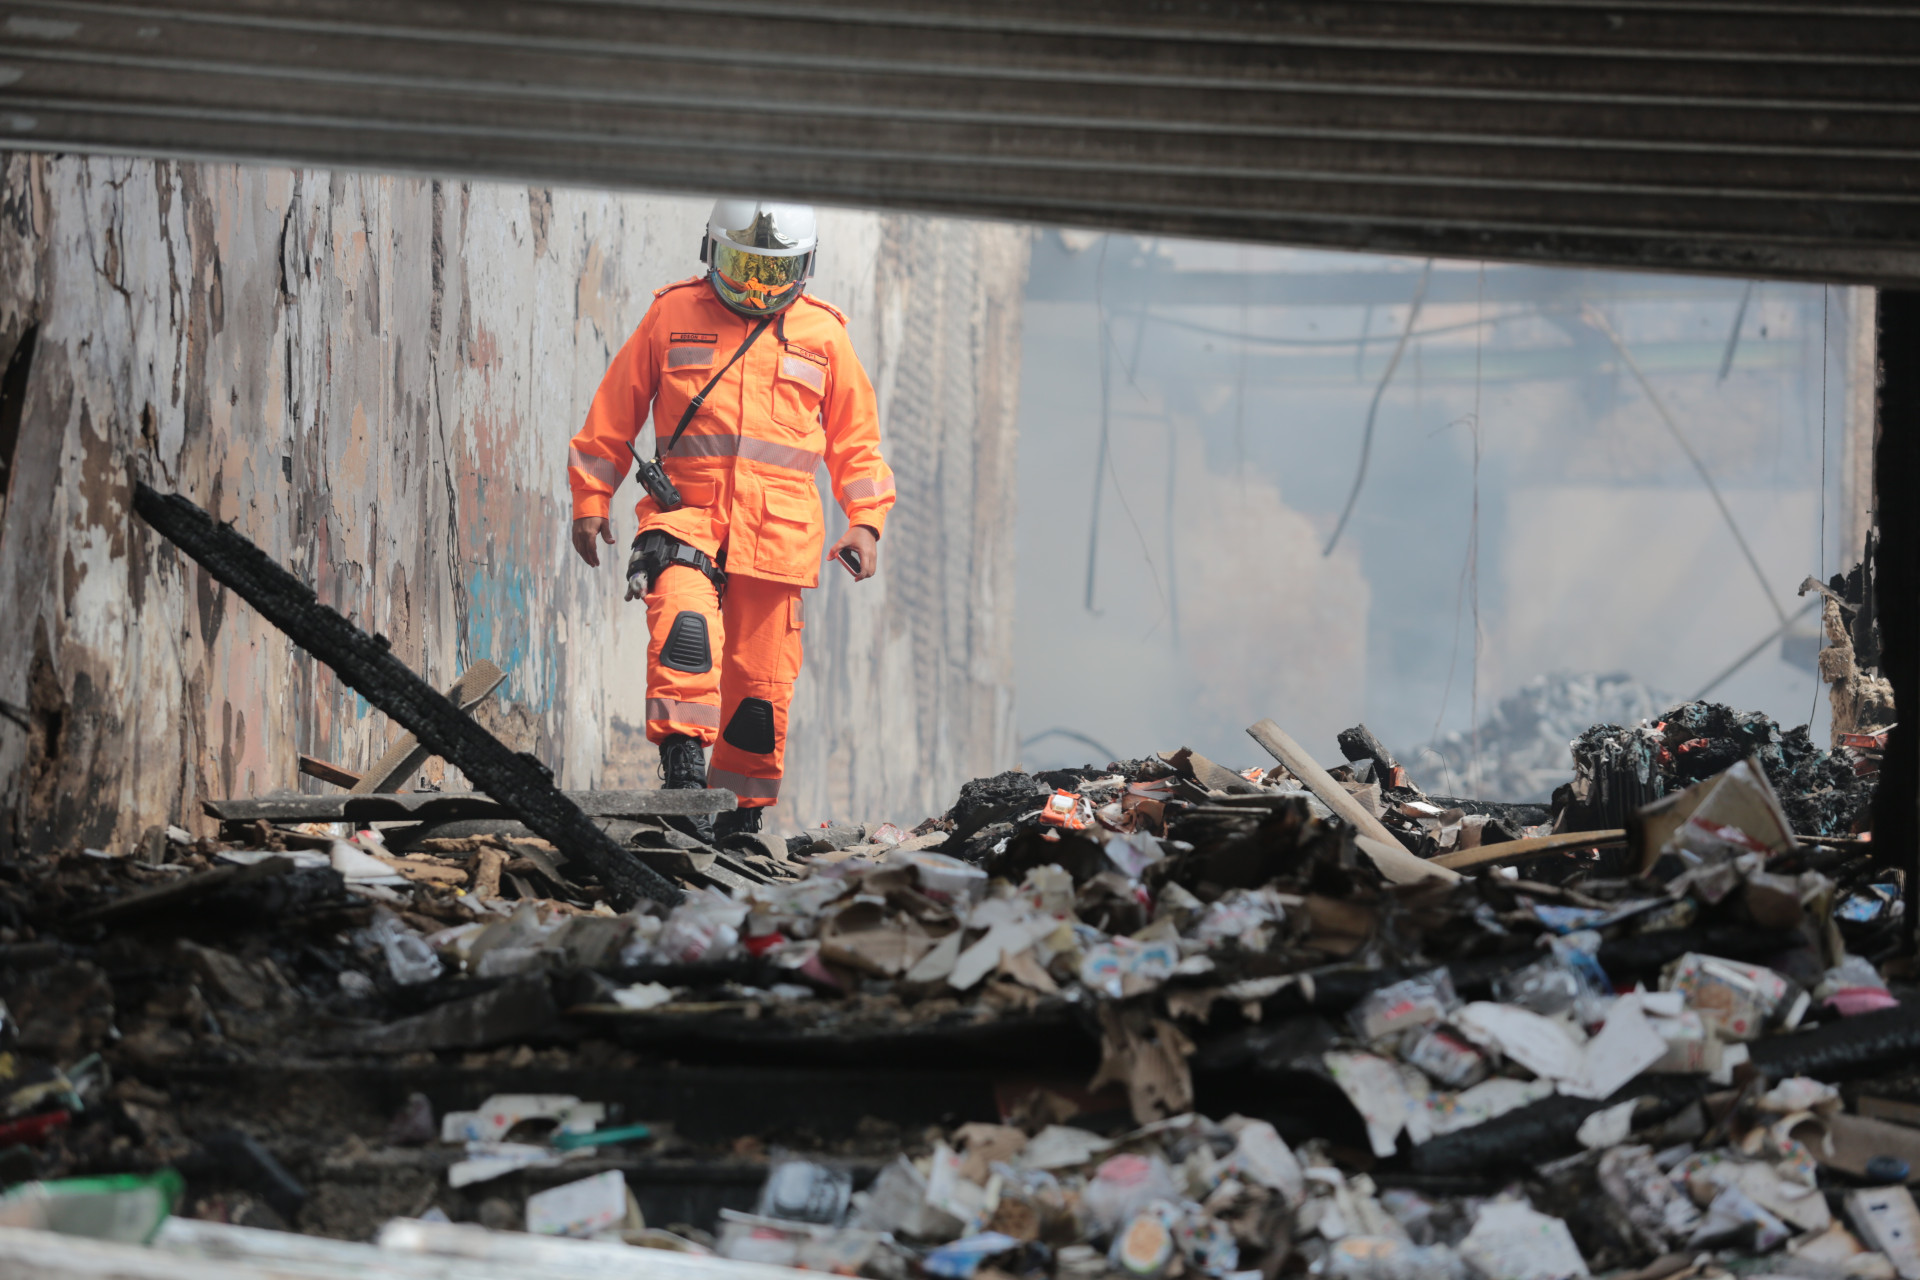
[1240,393]
[1275,340]
[1820,566]
[1473,534]
[1469,582]
[1594,318]
[1100,463]
[1373,410]
[1103,465]
[1172,533]
[1733,338]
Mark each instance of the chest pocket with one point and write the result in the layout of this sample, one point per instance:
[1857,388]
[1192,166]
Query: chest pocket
[799,387]
[685,368]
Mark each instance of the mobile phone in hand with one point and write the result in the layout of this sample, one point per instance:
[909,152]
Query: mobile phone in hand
[850,557]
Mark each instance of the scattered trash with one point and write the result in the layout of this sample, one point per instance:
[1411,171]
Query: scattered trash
[129,1207]
[1511,1073]
[588,1207]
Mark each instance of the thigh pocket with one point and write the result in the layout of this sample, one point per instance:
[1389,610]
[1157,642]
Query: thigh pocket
[792,533]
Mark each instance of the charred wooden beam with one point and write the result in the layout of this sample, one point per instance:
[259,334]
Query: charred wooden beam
[1896,573]
[520,782]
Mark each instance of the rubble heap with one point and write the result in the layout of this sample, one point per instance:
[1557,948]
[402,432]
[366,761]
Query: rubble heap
[1552,1066]
[1523,743]
[1618,770]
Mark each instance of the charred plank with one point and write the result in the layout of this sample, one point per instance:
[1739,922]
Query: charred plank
[521,784]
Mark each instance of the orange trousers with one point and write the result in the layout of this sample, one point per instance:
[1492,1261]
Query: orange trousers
[725,672]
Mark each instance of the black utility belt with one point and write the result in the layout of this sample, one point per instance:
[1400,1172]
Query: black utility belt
[656,550]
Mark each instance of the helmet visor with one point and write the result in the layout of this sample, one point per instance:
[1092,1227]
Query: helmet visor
[752,281]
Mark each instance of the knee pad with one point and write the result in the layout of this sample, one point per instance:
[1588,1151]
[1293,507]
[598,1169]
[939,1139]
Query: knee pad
[751,728]
[686,648]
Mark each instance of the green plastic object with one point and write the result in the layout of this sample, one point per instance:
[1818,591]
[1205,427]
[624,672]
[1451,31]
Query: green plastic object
[127,1207]
[602,1137]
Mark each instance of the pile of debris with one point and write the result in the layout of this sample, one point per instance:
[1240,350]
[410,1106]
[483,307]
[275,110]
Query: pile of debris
[1618,770]
[1522,746]
[1618,1043]
[1612,1065]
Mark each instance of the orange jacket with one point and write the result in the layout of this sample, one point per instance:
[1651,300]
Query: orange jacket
[745,467]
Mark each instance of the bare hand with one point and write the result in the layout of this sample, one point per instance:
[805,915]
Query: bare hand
[585,532]
[867,543]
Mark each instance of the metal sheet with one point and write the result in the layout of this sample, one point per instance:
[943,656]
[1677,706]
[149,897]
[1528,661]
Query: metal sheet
[1754,139]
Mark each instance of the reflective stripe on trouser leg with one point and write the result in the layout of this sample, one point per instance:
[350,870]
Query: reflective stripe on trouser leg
[684,625]
[757,669]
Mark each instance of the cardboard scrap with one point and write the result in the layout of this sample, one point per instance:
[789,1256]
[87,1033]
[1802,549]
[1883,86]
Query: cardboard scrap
[1735,999]
[1854,1140]
[1734,810]
[1905,1113]
[1011,928]
[867,936]
[985,1145]
[1148,1056]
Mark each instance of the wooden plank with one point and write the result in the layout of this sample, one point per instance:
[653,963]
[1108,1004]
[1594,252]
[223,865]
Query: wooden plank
[1891,1109]
[1532,847]
[448,806]
[406,754]
[1379,843]
[327,771]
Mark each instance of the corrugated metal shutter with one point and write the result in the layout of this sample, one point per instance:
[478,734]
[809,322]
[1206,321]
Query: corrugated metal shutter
[1769,139]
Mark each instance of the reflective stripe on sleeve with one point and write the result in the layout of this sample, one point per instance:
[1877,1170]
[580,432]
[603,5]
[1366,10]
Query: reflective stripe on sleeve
[704,714]
[750,448]
[867,487]
[605,470]
[743,786]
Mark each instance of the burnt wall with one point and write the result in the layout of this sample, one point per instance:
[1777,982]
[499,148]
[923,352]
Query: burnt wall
[375,379]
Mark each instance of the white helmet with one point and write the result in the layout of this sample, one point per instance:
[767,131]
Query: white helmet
[759,253]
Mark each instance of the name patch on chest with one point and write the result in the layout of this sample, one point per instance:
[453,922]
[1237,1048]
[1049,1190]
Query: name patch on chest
[695,337]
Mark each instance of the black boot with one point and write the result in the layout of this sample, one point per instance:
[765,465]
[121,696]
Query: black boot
[737,822]
[683,767]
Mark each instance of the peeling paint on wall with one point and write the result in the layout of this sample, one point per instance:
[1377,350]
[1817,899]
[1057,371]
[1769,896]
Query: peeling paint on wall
[375,378]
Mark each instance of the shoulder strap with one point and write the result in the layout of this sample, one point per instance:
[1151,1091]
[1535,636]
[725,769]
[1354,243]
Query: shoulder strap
[693,405]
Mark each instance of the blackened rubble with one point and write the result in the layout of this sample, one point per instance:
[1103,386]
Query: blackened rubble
[1160,1016]
[1619,769]
[993,1041]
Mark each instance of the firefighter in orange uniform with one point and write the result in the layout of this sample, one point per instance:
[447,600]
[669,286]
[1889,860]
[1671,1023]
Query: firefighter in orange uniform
[752,384]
